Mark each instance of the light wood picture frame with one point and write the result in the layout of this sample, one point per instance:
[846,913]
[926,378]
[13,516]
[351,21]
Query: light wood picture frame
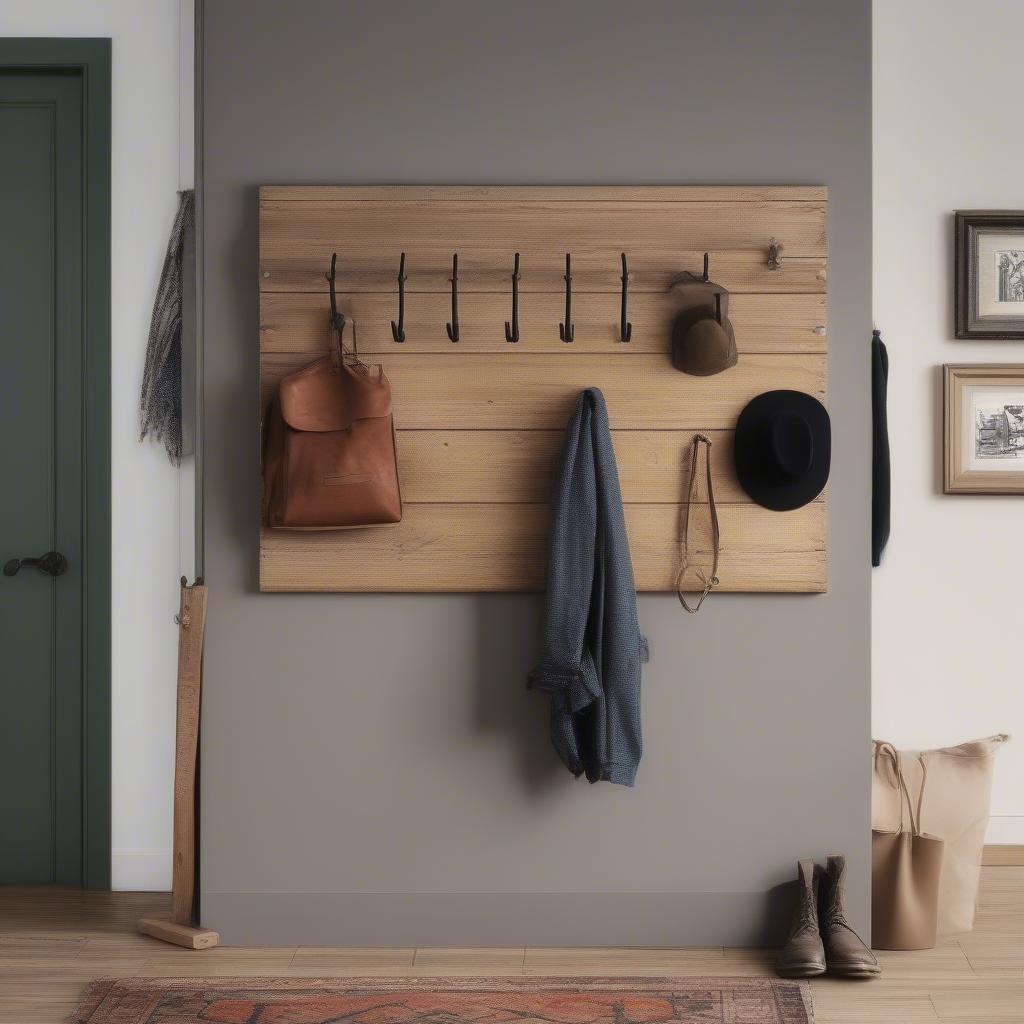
[983,446]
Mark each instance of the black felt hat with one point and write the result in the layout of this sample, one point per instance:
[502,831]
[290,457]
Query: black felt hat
[783,449]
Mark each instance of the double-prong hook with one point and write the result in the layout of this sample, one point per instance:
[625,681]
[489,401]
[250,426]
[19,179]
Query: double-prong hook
[625,327]
[566,330]
[512,331]
[453,326]
[398,330]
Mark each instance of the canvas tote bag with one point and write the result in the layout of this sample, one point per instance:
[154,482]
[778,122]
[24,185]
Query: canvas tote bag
[905,872]
[956,810]
[329,452]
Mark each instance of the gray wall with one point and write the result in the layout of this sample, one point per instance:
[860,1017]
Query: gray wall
[373,769]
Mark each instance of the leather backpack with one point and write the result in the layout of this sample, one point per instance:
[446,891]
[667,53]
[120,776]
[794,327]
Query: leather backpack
[329,450]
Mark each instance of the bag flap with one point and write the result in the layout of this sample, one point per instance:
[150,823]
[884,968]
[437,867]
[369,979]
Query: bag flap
[323,396]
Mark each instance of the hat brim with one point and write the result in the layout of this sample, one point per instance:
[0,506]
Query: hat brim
[758,476]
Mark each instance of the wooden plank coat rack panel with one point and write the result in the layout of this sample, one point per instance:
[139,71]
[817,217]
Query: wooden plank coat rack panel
[480,421]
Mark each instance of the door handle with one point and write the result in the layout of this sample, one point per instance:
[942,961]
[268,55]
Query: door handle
[53,563]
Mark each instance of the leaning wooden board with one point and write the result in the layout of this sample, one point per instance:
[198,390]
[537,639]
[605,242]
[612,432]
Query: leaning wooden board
[479,422]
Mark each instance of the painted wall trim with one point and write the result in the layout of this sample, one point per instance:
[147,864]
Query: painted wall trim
[1005,829]
[92,58]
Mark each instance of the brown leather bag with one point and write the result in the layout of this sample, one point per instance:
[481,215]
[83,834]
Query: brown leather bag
[905,872]
[329,453]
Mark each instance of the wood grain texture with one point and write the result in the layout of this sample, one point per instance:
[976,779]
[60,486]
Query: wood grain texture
[467,548]
[1003,856]
[480,422]
[662,230]
[53,942]
[546,230]
[517,467]
[298,322]
[191,627]
[531,391]
[178,934]
[545,193]
[300,267]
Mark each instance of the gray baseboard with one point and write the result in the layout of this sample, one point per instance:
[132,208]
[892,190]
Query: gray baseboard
[498,919]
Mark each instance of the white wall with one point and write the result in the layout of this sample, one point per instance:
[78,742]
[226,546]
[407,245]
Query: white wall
[949,596]
[147,123]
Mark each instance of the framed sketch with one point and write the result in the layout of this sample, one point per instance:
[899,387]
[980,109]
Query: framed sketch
[989,281]
[984,429]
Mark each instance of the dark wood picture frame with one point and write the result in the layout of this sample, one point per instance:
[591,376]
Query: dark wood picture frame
[969,224]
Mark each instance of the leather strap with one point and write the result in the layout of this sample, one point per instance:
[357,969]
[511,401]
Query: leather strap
[888,750]
[344,356]
[684,554]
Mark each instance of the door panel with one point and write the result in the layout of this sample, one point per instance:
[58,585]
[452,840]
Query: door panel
[41,459]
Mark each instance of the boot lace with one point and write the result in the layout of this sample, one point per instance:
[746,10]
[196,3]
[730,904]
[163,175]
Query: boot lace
[807,919]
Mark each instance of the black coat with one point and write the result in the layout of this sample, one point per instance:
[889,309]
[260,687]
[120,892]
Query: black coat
[881,484]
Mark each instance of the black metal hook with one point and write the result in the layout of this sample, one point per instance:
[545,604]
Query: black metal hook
[707,264]
[398,330]
[453,327]
[567,330]
[625,327]
[337,319]
[512,330]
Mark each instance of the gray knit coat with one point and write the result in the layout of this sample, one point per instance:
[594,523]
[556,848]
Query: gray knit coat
[593,648]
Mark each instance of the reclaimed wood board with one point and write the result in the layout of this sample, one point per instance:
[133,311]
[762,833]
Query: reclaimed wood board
[180,928]
[480,421]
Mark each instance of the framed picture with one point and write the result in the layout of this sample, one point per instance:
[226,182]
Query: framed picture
[989,282]
[984,429]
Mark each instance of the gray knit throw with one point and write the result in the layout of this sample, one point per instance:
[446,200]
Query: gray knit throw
[160,405]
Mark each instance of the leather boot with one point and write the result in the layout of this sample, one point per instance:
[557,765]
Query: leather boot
[845,953]
[803,955]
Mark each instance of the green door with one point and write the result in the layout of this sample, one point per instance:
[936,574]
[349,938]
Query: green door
[41,466]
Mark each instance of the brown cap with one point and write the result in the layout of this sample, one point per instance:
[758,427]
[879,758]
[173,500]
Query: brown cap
[703,339]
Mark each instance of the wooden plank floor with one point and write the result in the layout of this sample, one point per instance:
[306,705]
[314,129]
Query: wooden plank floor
[52,942]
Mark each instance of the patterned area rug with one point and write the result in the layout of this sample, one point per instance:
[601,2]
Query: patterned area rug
[446,1001]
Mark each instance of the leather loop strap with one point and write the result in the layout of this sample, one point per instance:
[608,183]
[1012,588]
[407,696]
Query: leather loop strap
[889,751]
[684,555]
[345,356]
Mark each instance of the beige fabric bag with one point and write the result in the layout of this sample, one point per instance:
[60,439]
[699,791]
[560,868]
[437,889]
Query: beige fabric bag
[906,866]
[956,810]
